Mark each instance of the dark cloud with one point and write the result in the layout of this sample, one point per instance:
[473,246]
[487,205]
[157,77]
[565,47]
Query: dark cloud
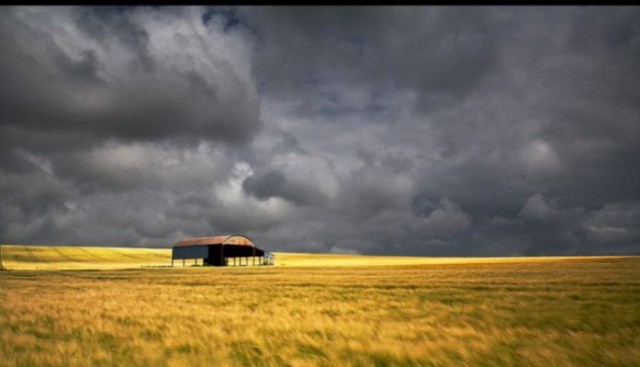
[275,184]
[79,71]
[386,130]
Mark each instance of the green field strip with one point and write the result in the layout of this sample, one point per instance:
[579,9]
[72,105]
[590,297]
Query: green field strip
[91,254]
[59,257]
[30,254]
[65,256]
[121,253]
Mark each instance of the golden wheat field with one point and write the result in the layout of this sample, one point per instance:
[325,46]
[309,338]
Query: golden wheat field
[83,306]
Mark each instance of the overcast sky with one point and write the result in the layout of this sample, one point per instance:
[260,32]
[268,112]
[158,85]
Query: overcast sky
[384,130]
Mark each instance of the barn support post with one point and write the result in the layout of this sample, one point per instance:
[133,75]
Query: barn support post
[253,258]
[183,263]
[221,253]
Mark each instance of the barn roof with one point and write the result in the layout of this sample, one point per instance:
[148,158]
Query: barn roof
[234,239]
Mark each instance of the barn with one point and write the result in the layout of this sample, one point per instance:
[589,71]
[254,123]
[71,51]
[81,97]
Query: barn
[224,250]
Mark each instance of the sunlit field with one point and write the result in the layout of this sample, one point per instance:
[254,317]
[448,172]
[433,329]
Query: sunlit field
[67,306]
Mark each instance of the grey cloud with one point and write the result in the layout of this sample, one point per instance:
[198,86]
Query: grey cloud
[538,210]
[53,87]
[552,228]
[447,219]
[265,186]
[275,184]
[387,130]
[614,228]
[440,55]
[341,250]
[101,23]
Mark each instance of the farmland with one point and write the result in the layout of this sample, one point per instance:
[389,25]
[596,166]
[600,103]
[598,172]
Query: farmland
[67,306]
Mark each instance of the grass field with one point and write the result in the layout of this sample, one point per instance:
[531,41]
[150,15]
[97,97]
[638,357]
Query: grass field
[323,310]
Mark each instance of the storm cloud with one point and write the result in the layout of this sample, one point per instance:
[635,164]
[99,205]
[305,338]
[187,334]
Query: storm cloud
[376,130]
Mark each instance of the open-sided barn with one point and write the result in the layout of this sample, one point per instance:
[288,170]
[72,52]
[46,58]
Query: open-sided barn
[220,251]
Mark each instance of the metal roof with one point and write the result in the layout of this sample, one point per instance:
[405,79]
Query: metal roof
[234,239]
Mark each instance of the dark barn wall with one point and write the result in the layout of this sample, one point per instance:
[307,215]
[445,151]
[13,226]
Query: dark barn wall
[214,254]
[190,252]
[241,251]
[214,257]
[217,251]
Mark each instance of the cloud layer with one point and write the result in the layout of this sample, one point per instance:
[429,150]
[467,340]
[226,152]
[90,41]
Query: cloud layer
[382,130]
